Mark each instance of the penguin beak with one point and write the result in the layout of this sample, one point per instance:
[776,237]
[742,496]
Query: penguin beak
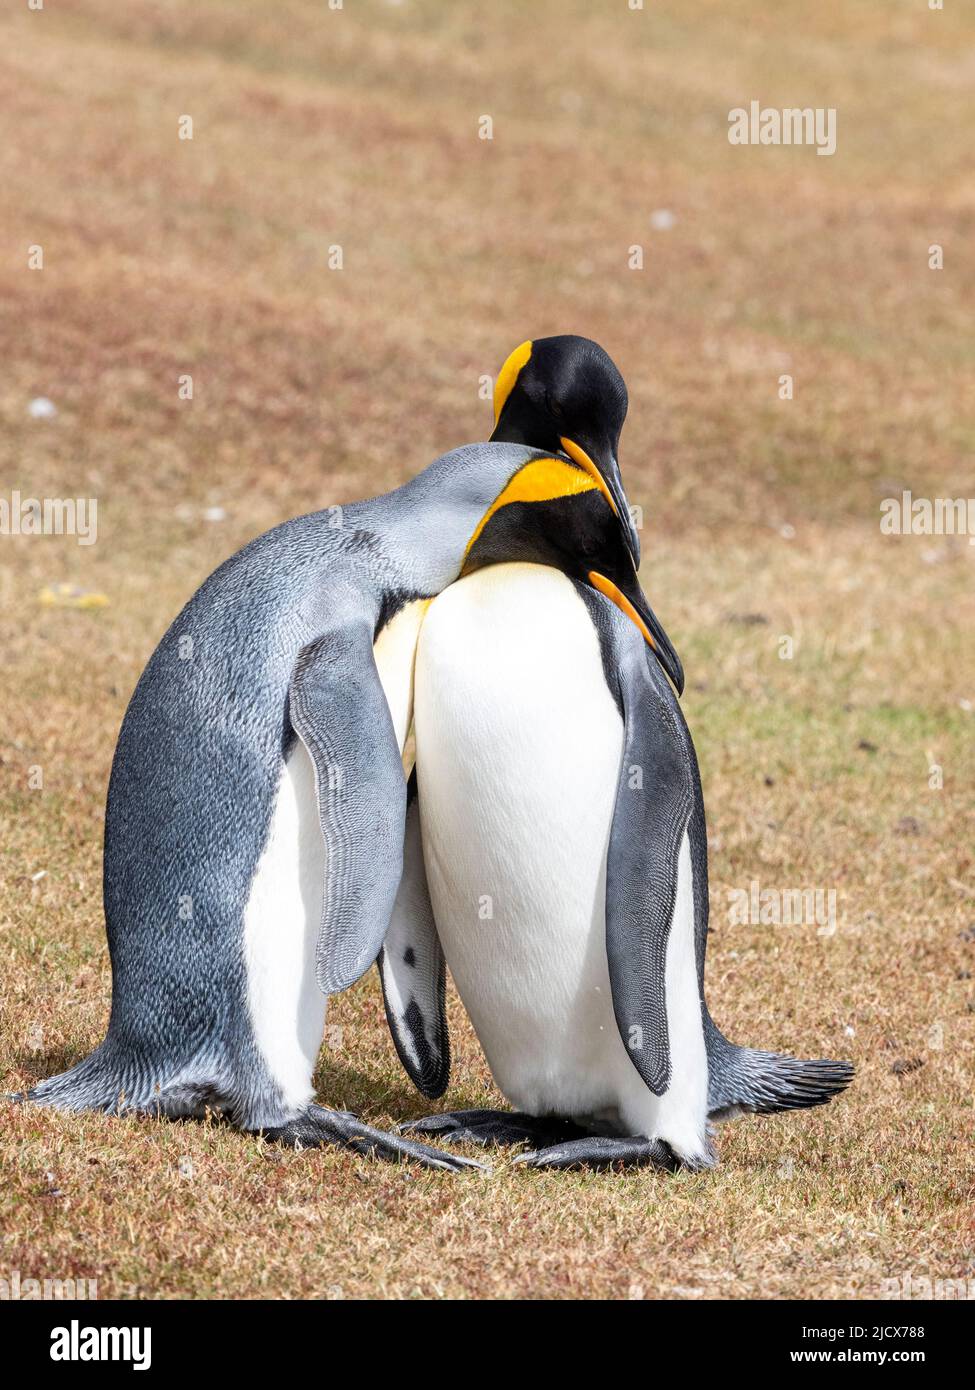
[604,469]
[636,608]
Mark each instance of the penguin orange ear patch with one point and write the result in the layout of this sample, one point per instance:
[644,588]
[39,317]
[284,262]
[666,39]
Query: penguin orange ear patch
[508,375]
[542,480]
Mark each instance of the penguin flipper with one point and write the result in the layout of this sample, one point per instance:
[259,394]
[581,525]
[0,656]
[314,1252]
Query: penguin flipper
[654,801]
[414,972]
[339,711]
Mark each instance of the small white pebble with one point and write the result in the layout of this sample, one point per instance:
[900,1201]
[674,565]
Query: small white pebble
[41,408]
[850,1031]
[966,705]
[787,531]
[214,514]
[36,878]
[662,219]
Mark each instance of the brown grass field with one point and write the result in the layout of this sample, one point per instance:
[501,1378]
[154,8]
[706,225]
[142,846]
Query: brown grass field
[314,386]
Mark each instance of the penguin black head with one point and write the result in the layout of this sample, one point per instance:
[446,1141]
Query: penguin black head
[554,512]
[565,395]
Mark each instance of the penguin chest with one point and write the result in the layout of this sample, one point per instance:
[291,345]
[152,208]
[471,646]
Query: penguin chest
[394,652]
[519,745]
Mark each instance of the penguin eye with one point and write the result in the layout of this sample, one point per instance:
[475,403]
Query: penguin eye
[554,408]
[589,542]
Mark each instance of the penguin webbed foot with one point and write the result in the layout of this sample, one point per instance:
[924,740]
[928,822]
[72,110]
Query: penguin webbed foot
[604,1151]
[315,1126]
[494,1127]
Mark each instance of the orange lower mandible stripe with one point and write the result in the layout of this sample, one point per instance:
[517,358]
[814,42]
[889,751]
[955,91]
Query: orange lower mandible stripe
[580,457]
[605,586]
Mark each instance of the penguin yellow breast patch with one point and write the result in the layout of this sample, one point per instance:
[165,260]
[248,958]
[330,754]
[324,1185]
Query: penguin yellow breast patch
[394,651]
[508,375]
[542,480]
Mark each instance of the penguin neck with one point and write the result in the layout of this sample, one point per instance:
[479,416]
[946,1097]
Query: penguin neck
[436,513]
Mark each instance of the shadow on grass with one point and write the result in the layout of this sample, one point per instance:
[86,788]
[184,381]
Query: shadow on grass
[369,1093]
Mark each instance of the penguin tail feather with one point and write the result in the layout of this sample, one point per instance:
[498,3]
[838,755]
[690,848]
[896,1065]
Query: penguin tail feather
[743,1079]
[98,1082]
[116,1079]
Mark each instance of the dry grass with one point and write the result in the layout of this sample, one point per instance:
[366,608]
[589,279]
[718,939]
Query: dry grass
[358,127]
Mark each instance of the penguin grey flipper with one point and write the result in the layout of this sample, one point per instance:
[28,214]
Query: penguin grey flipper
[495,1127]
[603,1151]
[654,801]
[413,970]
[663,811]
[316,1126]
[338,708]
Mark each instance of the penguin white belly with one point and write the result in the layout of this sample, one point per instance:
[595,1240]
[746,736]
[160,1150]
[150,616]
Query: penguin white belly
[519,747]
[283,915]
[281,925]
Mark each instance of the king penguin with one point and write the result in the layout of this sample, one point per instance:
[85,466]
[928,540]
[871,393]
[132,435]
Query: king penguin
[563,870]
[564,839]
[256,832]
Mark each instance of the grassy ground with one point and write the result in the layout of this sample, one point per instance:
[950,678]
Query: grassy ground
[358,128]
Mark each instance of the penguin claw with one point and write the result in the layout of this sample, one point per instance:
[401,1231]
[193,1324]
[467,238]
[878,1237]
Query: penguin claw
[315,1126]
[390,1147]
[599,1151]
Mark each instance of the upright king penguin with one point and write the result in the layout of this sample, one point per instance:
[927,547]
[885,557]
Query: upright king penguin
[257,806]
[565,851]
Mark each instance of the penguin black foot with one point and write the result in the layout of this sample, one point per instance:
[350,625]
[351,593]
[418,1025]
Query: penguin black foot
[598,1151]
[316,1126]
[494,1127]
